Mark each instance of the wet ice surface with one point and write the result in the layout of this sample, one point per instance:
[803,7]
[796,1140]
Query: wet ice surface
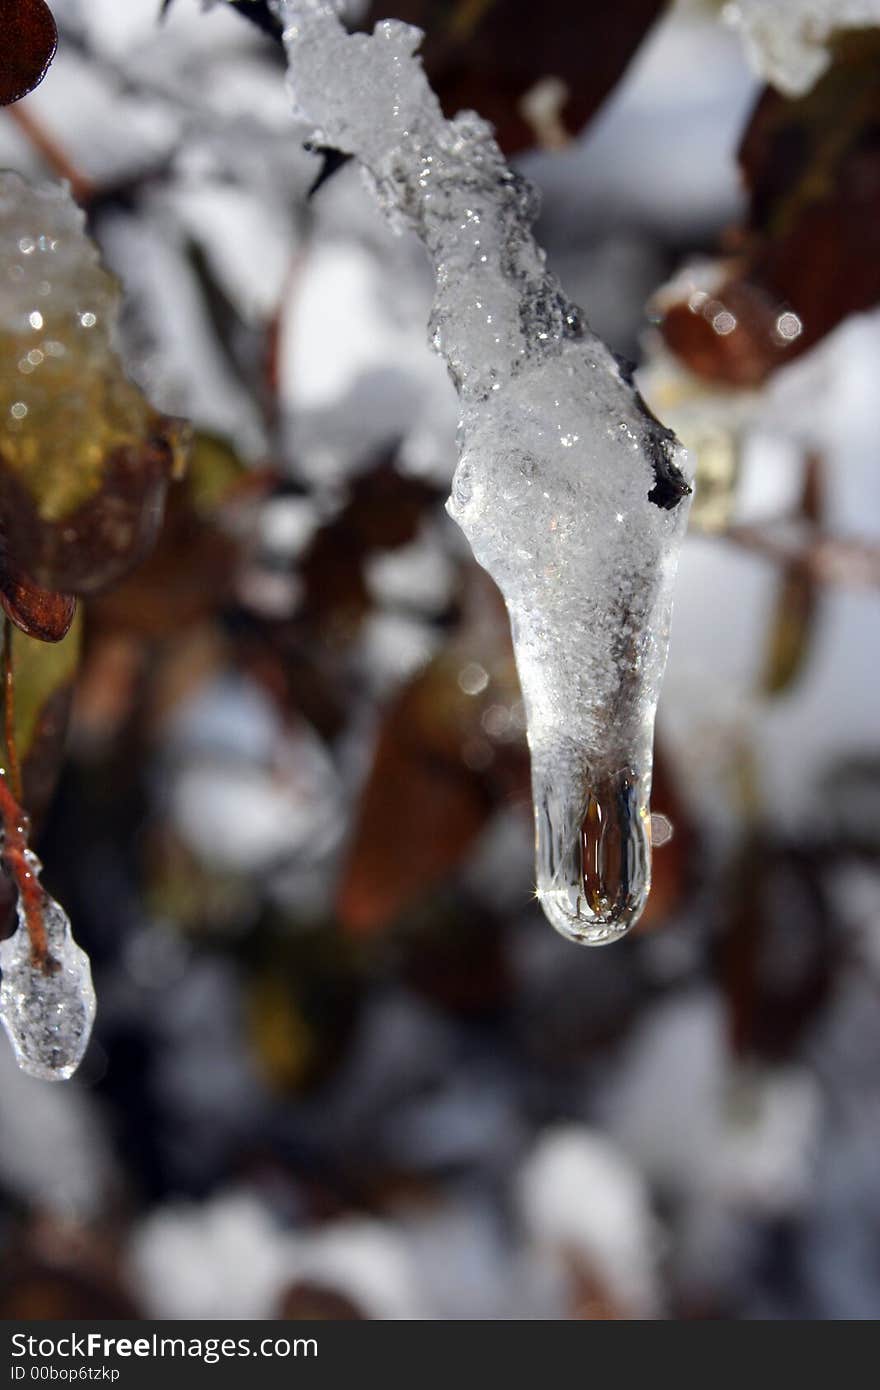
[571,494]
[47,1008]
[788,41]
[58,310]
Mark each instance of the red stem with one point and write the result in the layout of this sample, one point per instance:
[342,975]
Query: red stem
[14,823]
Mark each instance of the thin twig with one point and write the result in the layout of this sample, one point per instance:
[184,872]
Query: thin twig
[44,142]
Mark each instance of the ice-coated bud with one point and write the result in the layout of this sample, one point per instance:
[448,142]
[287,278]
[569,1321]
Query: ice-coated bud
[47,1006]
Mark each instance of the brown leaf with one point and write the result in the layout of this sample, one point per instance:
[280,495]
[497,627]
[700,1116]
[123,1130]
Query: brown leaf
[383,511]
[41,613]
[728,337]
[28,39]
[444,759]
[420,812]
[486,55]
[190,572]
[110,532]
[807,257]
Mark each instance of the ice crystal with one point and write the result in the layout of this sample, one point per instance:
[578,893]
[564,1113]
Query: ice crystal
[787,41]
[47,1002]
[572,495]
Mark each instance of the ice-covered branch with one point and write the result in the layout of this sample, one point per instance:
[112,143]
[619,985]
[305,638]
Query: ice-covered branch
[572,495]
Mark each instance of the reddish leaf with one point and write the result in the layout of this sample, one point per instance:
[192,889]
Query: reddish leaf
[108,533]
[419,814]
[807,256]
[730,336]
[444,759]
[28,39]
[383,511]
[190,572]
[41,613]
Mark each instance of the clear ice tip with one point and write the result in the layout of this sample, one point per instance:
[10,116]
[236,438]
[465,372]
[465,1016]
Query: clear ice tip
[594,856]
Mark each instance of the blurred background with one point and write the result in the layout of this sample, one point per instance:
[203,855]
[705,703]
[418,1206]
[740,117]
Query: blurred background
[342,1067]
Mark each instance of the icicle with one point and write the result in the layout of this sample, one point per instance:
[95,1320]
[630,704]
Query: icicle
[572,495]
[47,1002]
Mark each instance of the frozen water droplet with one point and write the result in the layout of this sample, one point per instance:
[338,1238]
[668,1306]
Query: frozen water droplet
[662,829]
[47,1008]
[593,853]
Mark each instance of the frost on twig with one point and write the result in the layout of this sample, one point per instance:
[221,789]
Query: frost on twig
[572,495]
